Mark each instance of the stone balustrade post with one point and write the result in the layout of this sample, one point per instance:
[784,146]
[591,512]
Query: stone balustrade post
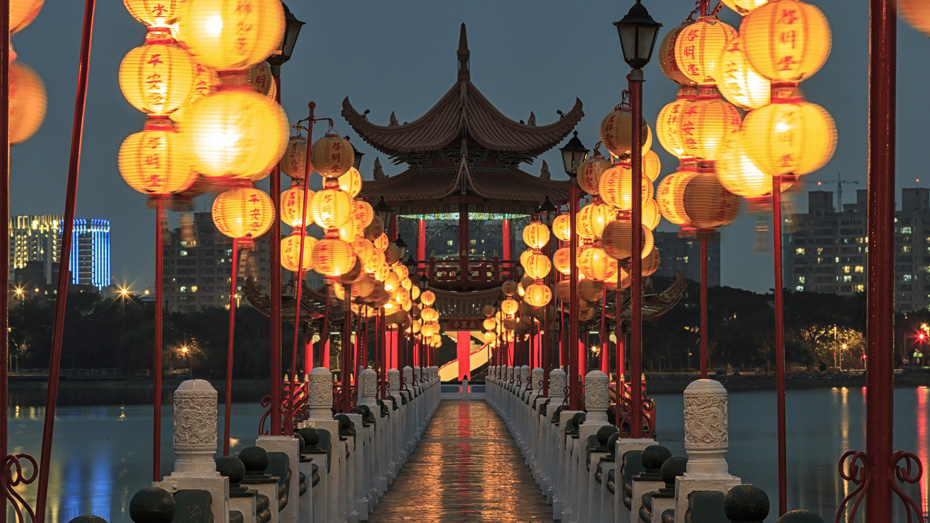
[379,460]
[551,471]
[398,423]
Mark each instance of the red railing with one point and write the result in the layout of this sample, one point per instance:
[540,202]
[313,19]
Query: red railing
[454,272]
[625,405]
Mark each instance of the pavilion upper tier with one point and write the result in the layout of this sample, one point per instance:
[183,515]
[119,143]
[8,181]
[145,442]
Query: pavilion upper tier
[464,152]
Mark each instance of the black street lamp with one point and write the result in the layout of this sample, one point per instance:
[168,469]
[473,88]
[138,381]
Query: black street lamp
[358,155]
[638,33]
[423,282]
[573,154]
[384,211]
[402,245]
[547,212]
[286,49]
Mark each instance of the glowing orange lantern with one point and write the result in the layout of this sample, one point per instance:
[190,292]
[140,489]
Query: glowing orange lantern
[331,208]
[596,264]
[428,298]
[292,207]
[294,161]
[401,271]
[594,217]
[351,182]
[786,41]
[708,204]
[537,266]
[375,262]
[429,314]
[738,82]
[650,263]
[332,156]
[538,295]
[589,173]
[743,7]
[652,165]
[429,329]
[617,132]
[490,337]
[536,235]
[651,215]
[667,61]
[391,282]
[562,227]
[333,257]
[617,188]
[363,286]
[290,252]
[705,126]
[156,78]
[362,213]
[509,288]
[205,82]
[561,260]
[618,240]
[233,35]
[154,13]
[235,133]
[23,12]
[698,48]
[670,197]
[349,231]
[668,129]
[489,324]
[916,12]
[364,249]
[243,213]
[155,161]
[789,138]
[510,306]
[740,175]
[381,242]
[262,81]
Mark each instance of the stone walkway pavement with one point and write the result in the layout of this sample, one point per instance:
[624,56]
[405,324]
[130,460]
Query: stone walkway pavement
[465,469]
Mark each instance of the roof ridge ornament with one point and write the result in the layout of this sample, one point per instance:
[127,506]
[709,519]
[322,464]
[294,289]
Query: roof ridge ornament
[463,55]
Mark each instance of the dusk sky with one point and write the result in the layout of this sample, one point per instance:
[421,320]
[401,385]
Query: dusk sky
[526,55]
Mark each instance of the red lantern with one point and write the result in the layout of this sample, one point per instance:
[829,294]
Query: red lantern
[243,213]
[332,156]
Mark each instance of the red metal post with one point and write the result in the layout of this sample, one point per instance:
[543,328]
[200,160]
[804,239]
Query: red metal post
[618,329]
[300,256]
[159,308]
[275,283]
[605,356]
[703,237]
[574,376]
[463,242]
[74,164]
[421,241]
[636,287]
[505,235]
[347,369]
[779,350]
[880,295]
[4,230]
[227,407]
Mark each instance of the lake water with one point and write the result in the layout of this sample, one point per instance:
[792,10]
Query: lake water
[102,454]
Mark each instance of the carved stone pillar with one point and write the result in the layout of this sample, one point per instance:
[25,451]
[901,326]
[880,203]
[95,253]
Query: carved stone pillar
[596,401]
[321,393]
[537,378]
[195,431]
[408,378]
[368,387]
[525,373]
[394,381]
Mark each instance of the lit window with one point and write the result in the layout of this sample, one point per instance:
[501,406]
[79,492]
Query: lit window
[905,248]
[846,269]
[799,250]
[472,242]
[905,230]
[183,253]
[802,279]
[859,288]
[847,279]
[193,288]
[819,250]
[859,268]
[183,288]
[449,243]
[799,288]
[685,259]
[906,277]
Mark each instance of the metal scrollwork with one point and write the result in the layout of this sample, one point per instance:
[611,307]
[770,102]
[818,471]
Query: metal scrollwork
[13,477]
[287,425]
[854,467]
[907,469]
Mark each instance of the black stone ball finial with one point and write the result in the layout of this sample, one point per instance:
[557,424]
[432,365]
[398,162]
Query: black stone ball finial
[672,468]
[255,460]
[88,519]
[310,435]
[604,433]
[612,443]
[231,467]
[654,456]
[800,516]
[746,504]
[152,505]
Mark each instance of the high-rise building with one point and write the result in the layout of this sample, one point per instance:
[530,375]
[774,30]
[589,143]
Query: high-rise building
[37,238]
[826,249]
[197,265]
[684,254]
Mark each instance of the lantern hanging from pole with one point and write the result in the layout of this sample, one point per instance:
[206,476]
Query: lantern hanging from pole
[596,263]
[537,266]
[488,311]
[740,175]
[23,12]
[668,129]
[349,230]
[364,249]
[562,227]
[429,314]
[428,298]
[698,48]
[292,207]
[738,82]
[294,161]
[510,306]
[332,156]
[156,78]
[490,337]
[650,263]
[667,61]
[705,125]
[375,262]
[536,235]
[154,13]
[789,137]
[618,240]
[592,218]
[27,102]
[235,133]
[652,166]
[708,204]
[333,257]
[243,213]
[290,252]
[331,208]
[917,13]
[489,324]
[743,7]
[616,188]
[670,197]
[382,242]
[651,215]
[261,79]
[233,35]
[589,173]
[362,213]
[617,132]
[561,260]
[351,183]
[205,82]
[786,41]
[538,295]
[154,161]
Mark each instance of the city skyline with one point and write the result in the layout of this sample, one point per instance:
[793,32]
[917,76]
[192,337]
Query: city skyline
[515,61]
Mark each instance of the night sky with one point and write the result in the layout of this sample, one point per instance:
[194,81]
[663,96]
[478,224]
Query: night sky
[526,55]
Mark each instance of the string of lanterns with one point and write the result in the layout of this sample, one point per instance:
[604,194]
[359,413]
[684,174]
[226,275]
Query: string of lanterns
[27,97]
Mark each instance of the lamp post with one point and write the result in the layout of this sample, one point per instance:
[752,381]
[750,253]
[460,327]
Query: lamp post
[638,33]
[384,212]
[282,55]
[573,154]
[547,213]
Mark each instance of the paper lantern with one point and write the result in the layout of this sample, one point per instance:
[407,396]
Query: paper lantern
[708,204]
[561,260]
[617,132]
[392,254]
[205,82]
[538,295]
[429,314]
[381,242]
[429,329]
[155,161]
[590,290]
[537,266]
[589,173]
[375,230]
[428,298]
[916,12]
[743,7]
[375,262]
[154,13]
[562,227]
[261,79]
[618,240]
[536,235]
[156,78]
[789,138]
[489,324]
[235,133]
[667,61]
[670,197]
[332,156]
[698,48]
[786,41]
[349,230]
[401,271]
[364,249]
[363,286]
[290,252]
[391,282]
[738,82]
[230,35]
[525,256]
[650,263]
[243,212]
[488,310]
[292,207]
[331,208]
[705,126]
[596,264]
[23,12]
[651,215]
[333,257]
[510,306]
[668,129]
[652,166]
[509,288]
[351,182]
[740,175]
[362,213]
[617,188]
[294,161]
[594,217]
[490,337]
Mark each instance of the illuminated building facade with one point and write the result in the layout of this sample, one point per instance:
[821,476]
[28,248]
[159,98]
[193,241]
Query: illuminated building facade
[683,254]
[36,239]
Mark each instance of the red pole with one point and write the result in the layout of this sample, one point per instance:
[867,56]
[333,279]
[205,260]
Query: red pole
[275,283]
[159,307]
[347,351]
[605,357]
[4,229]
[704,305]
[505,235]
[574,377]
[421,240]
[779,350]
[880,324]
[636,287]
[300,256]
[618,316]
[77,136]
[227,408]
